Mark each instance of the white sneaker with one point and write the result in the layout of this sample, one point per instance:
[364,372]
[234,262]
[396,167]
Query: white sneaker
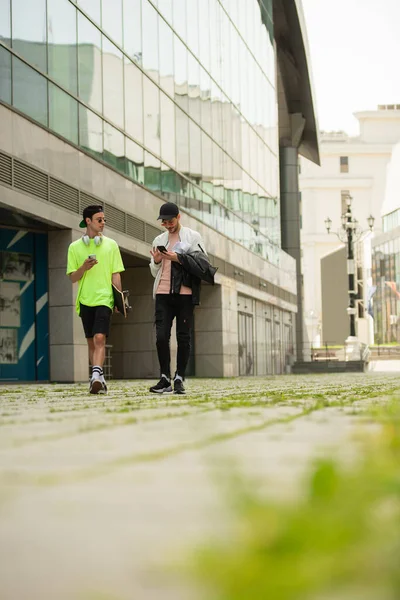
[104,385]
[95,385]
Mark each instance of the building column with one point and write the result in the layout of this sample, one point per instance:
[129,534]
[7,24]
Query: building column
[290,228]
[69,357]
[216,332]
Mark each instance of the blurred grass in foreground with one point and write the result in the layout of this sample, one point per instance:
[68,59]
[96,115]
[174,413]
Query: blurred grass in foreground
[341,541]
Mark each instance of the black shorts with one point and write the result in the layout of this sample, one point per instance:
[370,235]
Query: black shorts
[95,319]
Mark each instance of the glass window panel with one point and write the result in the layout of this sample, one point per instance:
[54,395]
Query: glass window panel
[194,88]
[29,31]
[63,114]
[132,24]
[215,40]
[195,151]
[151,103]
[90,132]
[180,73]
[165,8]
[62,43]
[92,7]
[5,21]
[150,40]
[134,161]
[89,63]
[152,172]
[29,92]
[204,34]
[179,18]
[5,75]
[166,43]
[206,159]
[193,25]
[133,101]
[216,112]
[168,143]
[182,141]
[113,83]
[111,19]
[205,96]
[226,54]
[114,147]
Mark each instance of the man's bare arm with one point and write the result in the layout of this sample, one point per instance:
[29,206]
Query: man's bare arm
[86,266]
[116,280]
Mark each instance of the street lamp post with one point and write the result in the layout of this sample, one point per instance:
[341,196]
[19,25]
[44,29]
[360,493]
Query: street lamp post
[349,233]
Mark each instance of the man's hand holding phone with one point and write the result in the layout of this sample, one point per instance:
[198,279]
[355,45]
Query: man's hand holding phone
[157,255]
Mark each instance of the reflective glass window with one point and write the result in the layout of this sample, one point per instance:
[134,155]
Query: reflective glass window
[168,143]
[206,159]
[182,141]
[90,132]
[132,24]
[226,68]
[152,172]
[113,83]
[205,97]
[150,40]
[92,7]
[5,75]
[111,19]
[62,40]
[29,91]
[114,147]
[180,73]
[216,112]
[179,18]
[5,22]
[166,46]
[215,40]
[63,114]
[195,151]
[29,31]
[193,25]
[134,161]
[133,101]
[89,63]
[194,88]
[204,34]
[151,103]
[165,8]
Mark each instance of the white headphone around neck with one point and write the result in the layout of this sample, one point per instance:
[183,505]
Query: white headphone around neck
[97,240]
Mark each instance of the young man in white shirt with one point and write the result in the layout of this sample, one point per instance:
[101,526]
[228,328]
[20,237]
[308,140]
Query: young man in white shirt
[175,297]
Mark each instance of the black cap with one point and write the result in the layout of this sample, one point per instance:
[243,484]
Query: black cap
[88,213]
[168,211]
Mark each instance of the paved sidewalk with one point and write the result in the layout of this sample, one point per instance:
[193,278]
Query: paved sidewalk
[102,497]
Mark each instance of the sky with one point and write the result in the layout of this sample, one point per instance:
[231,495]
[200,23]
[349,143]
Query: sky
[355,52]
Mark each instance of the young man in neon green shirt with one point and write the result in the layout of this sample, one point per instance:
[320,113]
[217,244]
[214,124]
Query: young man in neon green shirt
[95,262]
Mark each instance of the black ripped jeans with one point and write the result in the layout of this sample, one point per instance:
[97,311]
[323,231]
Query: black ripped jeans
[168,307]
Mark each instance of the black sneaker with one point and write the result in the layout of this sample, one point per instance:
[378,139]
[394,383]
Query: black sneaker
[163,386]
[178,387]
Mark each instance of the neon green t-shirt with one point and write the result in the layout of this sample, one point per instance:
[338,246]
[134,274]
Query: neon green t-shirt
[94,288]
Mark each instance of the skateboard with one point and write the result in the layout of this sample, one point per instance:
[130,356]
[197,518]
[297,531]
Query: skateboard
[121,301]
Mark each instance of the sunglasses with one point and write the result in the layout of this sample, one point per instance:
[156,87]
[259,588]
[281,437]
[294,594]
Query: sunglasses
[100,219]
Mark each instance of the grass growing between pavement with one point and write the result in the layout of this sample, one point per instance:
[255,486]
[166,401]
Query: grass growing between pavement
[340,541]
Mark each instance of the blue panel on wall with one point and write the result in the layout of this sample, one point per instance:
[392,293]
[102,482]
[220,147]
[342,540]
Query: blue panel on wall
[24,348]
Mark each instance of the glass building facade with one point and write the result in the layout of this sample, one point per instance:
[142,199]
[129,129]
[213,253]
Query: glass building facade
[386,290]
[178,95]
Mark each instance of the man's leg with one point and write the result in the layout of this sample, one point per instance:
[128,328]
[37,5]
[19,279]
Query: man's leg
[164,315]
[101,328]
[184,324]
[91,350]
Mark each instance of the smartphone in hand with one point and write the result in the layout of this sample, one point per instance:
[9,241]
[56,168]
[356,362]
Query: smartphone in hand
[162,249]
[92,257]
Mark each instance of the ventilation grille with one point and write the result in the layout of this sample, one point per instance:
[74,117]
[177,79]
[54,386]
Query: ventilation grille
[115,218]
[5,169]
[64,195]
[135,227]
[87,200]
[150,233]
[30,180]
